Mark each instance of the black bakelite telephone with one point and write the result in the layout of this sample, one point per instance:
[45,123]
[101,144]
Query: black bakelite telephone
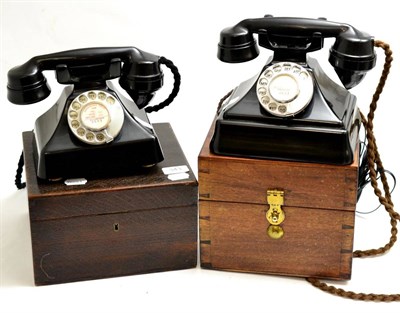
[292,110]
[93,130]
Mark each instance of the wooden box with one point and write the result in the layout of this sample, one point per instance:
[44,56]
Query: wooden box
[319,207]
[115,226]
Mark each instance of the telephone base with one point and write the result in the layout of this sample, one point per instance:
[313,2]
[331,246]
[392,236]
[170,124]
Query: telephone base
[127,158]
[59,154]
[326,131]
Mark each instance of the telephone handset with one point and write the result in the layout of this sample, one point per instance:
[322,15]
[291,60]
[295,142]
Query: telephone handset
[93,130]
[292,110]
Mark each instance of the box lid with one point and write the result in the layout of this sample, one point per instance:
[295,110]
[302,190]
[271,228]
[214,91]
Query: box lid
[148,190]
[245,180]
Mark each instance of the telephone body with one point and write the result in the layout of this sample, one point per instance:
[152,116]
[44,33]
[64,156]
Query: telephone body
[92,130]
[291,110]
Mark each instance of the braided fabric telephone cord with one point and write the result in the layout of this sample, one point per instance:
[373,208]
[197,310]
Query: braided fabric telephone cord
[386,200]
[175,89]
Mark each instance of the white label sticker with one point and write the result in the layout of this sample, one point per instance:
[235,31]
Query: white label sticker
[178,176]
[75,181]
[175,169]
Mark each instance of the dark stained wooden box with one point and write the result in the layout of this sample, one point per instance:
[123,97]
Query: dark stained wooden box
[115,226]
[319,207]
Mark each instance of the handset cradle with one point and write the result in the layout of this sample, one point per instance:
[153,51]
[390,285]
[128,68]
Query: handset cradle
[292,110]
[93,130]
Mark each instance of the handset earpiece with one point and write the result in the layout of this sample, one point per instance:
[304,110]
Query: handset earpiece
[236,45]
[352,56]
[141,77]
[27,84]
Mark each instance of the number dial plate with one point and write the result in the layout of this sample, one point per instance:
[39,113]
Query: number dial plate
[285,89]
[95,117]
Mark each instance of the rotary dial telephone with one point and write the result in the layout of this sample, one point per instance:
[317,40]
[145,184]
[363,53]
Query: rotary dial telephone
[291,110]
[93,130]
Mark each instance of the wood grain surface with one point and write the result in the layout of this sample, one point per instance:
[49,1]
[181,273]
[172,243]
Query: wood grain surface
[115,226]
[318,229]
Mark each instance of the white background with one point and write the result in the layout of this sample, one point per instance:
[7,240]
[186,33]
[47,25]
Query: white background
[186,32]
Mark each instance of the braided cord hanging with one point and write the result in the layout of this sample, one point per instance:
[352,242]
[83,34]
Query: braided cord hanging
[375,166]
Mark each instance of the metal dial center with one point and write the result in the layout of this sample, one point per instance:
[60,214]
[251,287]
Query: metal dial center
[284,88]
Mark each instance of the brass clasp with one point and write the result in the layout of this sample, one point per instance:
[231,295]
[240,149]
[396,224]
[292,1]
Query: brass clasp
[275,214]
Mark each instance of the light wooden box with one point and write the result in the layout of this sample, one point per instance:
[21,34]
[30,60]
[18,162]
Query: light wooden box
[319,207]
